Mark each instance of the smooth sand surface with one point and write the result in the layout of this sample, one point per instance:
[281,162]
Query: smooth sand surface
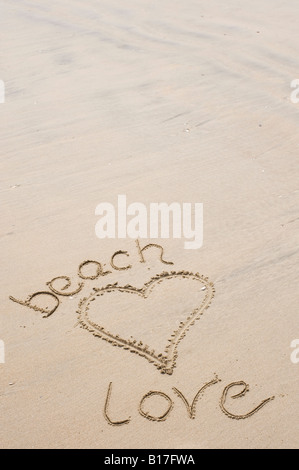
[160,101]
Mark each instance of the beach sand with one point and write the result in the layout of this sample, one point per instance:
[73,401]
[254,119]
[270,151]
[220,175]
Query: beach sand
[161,102]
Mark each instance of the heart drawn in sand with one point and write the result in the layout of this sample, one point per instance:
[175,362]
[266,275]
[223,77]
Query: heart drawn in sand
[166,361]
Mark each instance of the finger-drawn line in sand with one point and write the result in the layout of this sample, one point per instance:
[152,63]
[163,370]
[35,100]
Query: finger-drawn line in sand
[146,414]
[109,421]
[45,311]
[66,286]
[191,409]
[119,268]
[239,395]
[54,292]
[165,362]
[151,245]
[99,271]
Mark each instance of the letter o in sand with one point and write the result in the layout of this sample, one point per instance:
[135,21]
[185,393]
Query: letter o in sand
[151,417]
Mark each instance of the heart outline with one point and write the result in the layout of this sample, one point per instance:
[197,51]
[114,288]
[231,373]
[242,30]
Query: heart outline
[164,363]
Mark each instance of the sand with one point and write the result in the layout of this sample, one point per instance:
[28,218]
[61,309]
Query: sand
[159,101]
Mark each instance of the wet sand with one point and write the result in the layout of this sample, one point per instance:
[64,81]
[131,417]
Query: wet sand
[162,102]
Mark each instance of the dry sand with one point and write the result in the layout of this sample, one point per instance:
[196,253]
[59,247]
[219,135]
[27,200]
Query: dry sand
[161,101]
